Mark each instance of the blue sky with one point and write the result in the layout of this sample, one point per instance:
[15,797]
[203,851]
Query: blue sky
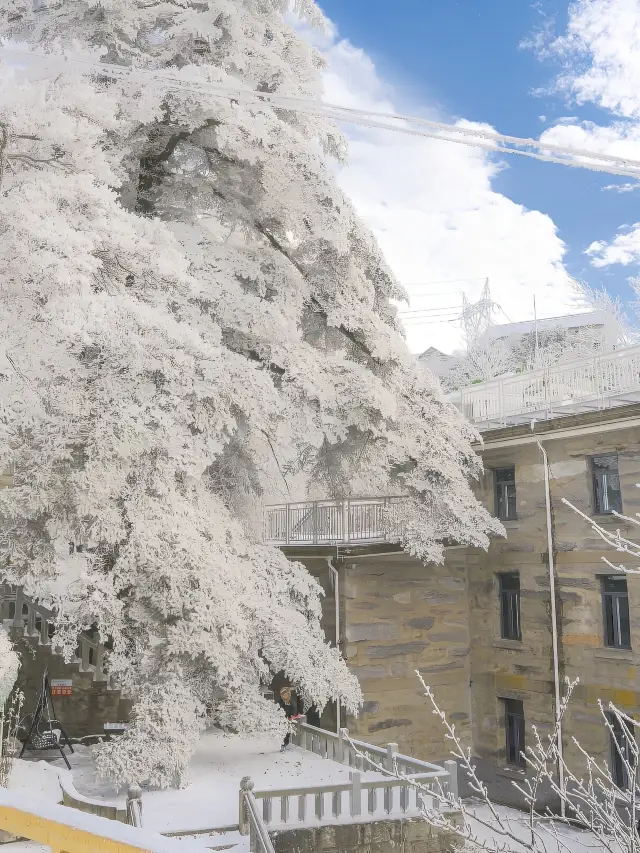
[464,59]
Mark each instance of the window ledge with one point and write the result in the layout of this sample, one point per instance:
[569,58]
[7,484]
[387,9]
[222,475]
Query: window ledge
[511,771]
[500,643]
[611,653]
[608,518]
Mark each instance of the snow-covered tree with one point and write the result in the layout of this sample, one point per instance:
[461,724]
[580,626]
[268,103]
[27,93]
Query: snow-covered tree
[187,295]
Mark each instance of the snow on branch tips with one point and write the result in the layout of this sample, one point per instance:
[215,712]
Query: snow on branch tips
[614,538]
[189,299]
[588,796]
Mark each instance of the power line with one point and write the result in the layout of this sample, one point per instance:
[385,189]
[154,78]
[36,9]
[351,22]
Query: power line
[475,137]
[444,319]
[412,320]
[441,281]
[443,309]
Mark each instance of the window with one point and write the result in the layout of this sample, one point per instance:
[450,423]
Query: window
[621,736]
[615,606]
[514,726]
[505,479]
[510,606]
[606,484]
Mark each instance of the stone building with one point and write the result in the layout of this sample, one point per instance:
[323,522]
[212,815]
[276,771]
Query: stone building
[478,628]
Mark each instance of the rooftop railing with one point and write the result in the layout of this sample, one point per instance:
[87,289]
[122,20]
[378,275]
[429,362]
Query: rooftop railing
[587,385]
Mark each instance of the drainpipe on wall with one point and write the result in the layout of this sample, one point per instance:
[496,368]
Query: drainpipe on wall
[336,596]
[554,624]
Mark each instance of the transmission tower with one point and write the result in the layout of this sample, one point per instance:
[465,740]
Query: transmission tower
[476,316]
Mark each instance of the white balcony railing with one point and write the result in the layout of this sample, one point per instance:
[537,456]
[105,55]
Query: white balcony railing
[598,383]
[329,522]
[369,795]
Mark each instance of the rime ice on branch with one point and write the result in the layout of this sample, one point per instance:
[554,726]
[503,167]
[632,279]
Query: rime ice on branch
[187,294]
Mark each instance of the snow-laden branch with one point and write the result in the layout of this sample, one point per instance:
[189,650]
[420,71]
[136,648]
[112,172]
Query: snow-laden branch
[614,538]
[591,798]
[192,308]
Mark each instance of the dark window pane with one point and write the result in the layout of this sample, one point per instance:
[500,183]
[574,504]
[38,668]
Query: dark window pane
[514,730]
[615,608]
[623,621]
[621,750]
[510,606]
[610,636]
[505,485]
[617,583]
[606,484]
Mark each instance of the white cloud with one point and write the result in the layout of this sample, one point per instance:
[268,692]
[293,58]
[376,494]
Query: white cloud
[624,249]
[601,56]
[433,209]
[601,49]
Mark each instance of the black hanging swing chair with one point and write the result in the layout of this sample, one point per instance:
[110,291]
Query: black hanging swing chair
[41,730]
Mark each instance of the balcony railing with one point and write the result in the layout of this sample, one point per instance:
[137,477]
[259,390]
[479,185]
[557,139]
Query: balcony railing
[349,521]
[598,383]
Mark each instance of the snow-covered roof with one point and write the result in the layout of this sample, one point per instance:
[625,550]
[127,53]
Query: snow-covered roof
[568,321]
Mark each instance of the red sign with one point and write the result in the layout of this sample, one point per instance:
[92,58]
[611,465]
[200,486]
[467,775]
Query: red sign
[61,687]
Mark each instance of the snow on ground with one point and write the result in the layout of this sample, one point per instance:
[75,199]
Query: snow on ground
[36,778]
[571,839]
[210,798]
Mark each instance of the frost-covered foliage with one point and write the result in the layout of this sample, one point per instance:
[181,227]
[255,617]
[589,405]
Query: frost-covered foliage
[502,353]
[187,295]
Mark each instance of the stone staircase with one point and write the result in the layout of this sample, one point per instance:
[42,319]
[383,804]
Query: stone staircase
[93,702]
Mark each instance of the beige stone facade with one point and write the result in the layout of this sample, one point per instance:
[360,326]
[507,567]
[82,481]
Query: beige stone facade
[502,669]
[398,616]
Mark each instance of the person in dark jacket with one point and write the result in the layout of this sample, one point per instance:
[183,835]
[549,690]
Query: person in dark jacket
[287,702]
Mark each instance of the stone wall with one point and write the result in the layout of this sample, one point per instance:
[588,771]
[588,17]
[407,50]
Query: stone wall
[388,836]
[90,705]
[401,616]
[398,616]
[524,670]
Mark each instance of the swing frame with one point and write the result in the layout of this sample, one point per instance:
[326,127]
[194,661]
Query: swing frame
[45,711]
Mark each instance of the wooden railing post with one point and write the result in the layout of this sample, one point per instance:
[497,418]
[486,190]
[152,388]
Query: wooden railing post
[392,751]
[17,615]
[345,521]
[246,786]
[299,735]
[343,746]
[452,768]
[134,805]
[356,793]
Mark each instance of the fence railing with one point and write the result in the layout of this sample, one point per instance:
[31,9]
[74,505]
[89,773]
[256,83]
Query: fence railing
[34,620]
[62,828]
[362,798]
[335,521]
[548,392]
[250,820]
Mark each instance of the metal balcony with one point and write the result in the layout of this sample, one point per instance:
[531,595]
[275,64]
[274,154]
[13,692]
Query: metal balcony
[335,522]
